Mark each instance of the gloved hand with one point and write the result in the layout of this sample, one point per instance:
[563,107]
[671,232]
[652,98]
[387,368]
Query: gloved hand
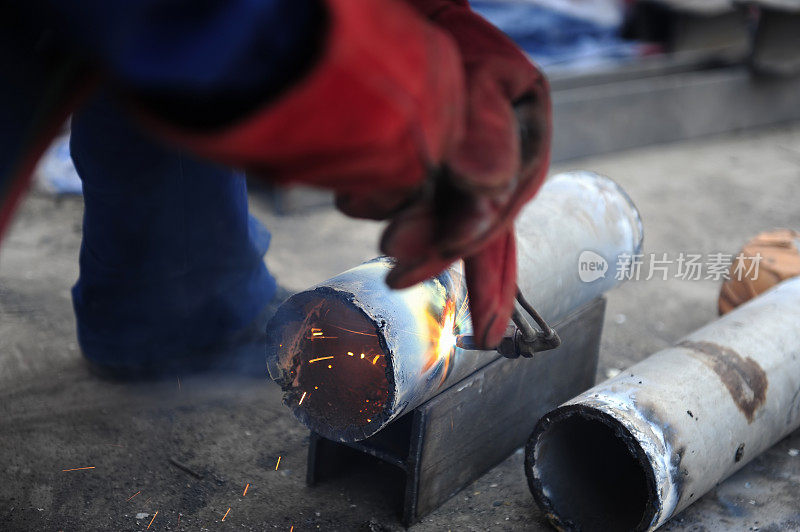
[380,105]
[496,168]
[410,120]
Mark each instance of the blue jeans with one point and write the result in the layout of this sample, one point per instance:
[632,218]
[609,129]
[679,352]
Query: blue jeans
[171,262]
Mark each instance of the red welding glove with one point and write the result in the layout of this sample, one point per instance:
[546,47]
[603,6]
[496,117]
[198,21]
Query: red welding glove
[381,120]
[499,165]
[380,106]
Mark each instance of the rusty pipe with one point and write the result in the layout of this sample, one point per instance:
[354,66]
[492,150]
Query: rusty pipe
[351,354]
[637,449]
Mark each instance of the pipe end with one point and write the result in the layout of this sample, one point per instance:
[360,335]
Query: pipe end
[331,361]
[587,472]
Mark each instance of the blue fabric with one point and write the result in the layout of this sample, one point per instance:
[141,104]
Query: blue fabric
[24,82]
[198,45]
[170,262]
[553,38]
[204,48]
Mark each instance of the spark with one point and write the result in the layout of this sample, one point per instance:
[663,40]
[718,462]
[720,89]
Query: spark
[329,366]
[134,495]
[279,463]
[349,353]
[316,333]
[318,359]
[302,399]
[463,313]
[153,519]
[245,490]
[78,468]
[362,355]
[352,331]
[418,335]
[369,420]
[375,359]
[226,513]
[291,529]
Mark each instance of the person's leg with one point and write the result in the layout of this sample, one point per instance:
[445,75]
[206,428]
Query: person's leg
[171,269]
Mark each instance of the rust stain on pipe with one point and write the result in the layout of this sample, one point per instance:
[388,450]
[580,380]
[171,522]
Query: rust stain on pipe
[743,377]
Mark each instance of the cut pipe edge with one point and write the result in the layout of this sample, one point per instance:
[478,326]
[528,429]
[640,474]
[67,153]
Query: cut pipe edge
[617,492]
[327,425]
[637,449]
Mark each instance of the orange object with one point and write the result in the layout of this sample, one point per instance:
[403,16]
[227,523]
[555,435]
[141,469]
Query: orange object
[778,255]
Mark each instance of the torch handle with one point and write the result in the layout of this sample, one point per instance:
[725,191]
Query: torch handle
[522,340]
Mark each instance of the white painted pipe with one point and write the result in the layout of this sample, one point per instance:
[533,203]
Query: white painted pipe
[637,449]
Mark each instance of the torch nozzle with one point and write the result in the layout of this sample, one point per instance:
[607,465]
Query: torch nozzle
[465,341]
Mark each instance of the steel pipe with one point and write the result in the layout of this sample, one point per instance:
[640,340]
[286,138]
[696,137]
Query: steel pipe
[637,449]
[351,354]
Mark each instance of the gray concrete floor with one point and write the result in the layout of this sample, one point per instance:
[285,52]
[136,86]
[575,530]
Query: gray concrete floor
[705,196]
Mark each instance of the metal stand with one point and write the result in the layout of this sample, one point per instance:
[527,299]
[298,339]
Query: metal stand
[454,438]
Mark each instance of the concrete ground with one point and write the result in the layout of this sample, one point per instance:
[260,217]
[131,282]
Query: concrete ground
[701,197]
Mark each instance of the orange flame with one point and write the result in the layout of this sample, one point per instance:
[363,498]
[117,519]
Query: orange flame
[443,337]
